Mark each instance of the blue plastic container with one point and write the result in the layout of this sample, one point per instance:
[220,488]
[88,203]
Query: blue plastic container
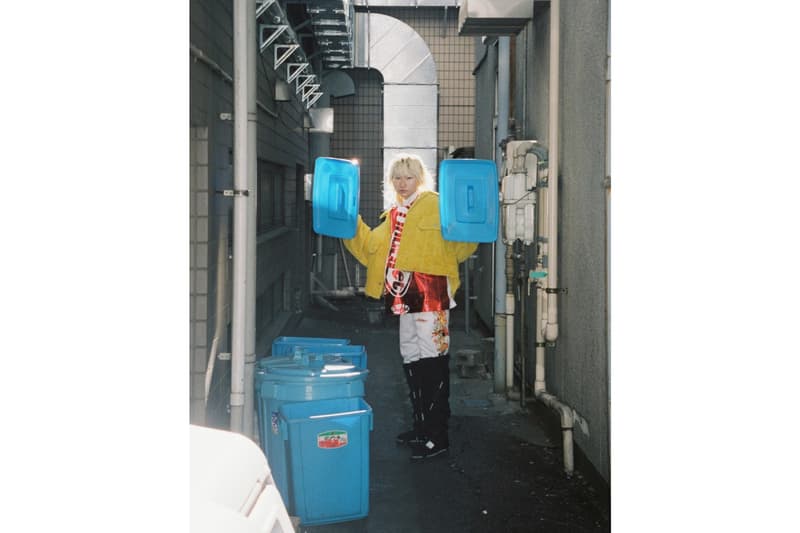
[328,445]
[353,353]
[286,345]
[334,197]
[283,380]
[469,201]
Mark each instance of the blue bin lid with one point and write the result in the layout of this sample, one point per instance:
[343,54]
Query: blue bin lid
[310,340]
[334,197]
[309,365]
[469,205]
[333,349]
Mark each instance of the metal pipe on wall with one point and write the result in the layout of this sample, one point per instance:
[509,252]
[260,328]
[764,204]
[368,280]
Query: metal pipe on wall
[252,227]
[221,296]
[244,16]
[546,308]
[500,318]
[551,333]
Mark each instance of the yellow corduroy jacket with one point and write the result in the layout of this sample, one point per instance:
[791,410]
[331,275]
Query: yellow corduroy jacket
[422,248]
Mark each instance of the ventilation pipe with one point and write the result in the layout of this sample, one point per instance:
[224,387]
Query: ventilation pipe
[244,211]
[410,90]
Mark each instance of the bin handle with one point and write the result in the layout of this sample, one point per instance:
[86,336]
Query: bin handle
[345,413]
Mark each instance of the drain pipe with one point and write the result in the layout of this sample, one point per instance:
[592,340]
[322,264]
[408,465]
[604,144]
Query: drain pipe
[500,316]
[244,42]
[546,303]
[551,331]
[252,227]
[221,296]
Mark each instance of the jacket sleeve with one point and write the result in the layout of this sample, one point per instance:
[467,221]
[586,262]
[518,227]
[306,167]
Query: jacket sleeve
[461,250]
[358,244]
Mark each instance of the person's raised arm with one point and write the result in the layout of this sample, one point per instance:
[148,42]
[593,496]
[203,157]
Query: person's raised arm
[358,244]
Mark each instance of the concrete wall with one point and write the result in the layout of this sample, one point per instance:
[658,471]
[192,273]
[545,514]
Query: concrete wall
[580,359]
[577,366]
[282,254]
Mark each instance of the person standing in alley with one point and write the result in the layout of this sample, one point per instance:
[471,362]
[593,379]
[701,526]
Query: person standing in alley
[415,271]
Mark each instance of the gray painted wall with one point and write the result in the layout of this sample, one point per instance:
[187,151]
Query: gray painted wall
[580,358]
[577,366]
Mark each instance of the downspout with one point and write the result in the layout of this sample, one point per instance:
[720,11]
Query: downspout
[221,296]
[546,305]
[252,227]
[500,297]
[244,17]
[551,331]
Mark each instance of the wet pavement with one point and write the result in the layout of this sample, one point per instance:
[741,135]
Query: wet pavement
[503,471]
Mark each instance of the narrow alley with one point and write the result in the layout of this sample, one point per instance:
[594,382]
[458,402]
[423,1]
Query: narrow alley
[504,470]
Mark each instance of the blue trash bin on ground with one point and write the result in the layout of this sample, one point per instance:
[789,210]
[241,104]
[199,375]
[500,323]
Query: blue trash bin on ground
[353,353]
[283,380]
[296,346]
[328,454]
[285,345]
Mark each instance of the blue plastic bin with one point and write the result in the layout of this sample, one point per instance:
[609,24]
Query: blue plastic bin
[286,345]
[283,380]
[353,353]
[328,445]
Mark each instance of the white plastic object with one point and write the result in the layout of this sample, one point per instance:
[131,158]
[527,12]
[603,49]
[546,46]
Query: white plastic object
[232,488]
[519,193]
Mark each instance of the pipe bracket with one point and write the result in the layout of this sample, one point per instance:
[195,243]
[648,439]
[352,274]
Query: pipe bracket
[556,290]
[233,192]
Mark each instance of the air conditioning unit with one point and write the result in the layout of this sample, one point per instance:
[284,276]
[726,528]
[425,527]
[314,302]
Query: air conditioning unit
[493,17]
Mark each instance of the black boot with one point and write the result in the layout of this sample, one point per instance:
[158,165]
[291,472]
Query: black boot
[435,377]
[414,435]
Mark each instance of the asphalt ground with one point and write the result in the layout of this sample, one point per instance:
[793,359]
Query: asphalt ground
[503,471]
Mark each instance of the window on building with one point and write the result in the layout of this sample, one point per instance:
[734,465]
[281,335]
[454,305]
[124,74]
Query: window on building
[271,196]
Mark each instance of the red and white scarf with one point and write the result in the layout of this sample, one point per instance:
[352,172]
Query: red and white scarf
[397,281]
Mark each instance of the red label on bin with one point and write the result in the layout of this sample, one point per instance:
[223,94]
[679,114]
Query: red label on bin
[332,439]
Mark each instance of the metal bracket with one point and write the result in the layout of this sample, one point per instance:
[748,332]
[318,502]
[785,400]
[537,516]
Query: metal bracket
[307,78]
[556,290]
[308,91]
[286,51]
[263,6]
[313,99]
[224,356]
[233,192]
[292,74]
[226,116]
[277,30]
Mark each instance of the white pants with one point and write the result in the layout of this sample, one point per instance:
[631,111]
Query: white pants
[423,335]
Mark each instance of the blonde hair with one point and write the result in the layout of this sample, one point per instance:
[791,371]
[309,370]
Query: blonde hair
[405,165]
